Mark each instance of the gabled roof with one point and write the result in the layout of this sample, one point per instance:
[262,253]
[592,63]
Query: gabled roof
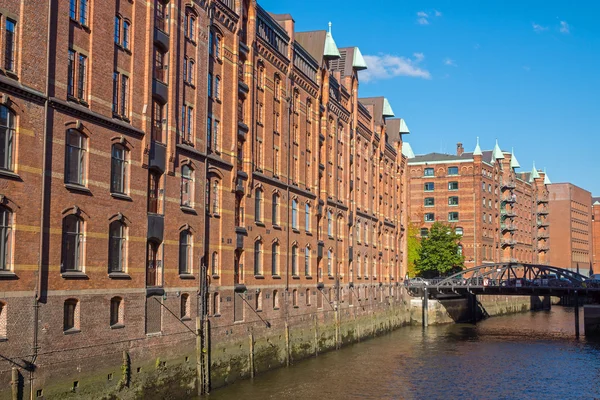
[313,42]
[403,127]
[497,153]
[547,180]
[477,151]
[381,108]
[436,157]
[407,150]
[534,173]
[331,51]
[351,60]
[596,201]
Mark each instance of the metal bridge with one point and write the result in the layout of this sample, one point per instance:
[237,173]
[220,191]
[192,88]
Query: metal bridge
[516,279]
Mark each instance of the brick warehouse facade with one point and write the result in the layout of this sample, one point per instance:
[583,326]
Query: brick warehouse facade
[571,208]
[501,213]
[167,161]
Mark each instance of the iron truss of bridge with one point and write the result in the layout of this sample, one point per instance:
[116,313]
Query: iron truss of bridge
[508,279]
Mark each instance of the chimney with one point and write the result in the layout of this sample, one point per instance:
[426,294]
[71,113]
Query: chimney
[459,149]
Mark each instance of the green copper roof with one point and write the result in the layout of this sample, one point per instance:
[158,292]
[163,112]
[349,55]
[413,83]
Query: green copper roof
[403,127]
[387,109]
[497,153]
[407,151]
[547,180]
[358,61]
[331,51]
[513,160]
[477,151]
[534,173]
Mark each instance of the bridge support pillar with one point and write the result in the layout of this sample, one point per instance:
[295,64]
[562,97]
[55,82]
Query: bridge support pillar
[591,320]
[473,307]
[576,300]
[425,307]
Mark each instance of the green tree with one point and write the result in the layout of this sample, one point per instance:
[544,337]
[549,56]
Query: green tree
[439,253]
[413,245]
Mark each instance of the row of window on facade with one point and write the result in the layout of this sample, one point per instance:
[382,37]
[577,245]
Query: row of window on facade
[452,217]
[430,186]
[425,231]
[431,172]
[430,201]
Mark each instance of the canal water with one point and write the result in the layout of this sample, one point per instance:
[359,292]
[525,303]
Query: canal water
[520,356]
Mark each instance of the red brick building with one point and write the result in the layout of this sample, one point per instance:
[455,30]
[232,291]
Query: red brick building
[596,234]
[500,212]
[571,212]
[164,161]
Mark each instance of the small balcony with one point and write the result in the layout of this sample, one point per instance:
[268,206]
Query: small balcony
[543,199]
[543,235]
[508,227]
[508,185]
[350,253]
[158,156]
[240,182]
[544,248]
[350,218]
[508,213]
[240,234]
[320,248]
[508,242]
[160,89]
[542,223]
[156,227]
[543,211]
[510,199]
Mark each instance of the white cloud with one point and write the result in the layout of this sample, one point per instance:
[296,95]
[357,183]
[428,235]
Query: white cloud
[422,21]
[387,66]
[425,16]
[564,27]
[437,13]
[450,62]
[422,14]
[537,28]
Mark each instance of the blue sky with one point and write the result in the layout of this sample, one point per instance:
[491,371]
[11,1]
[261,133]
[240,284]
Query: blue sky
[527,73]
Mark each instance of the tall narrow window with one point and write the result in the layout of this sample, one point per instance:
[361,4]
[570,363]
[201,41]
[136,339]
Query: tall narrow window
[275,259]
[190,73]
[275,209]
[157,119]
[72,244]
[115,105]
[160,15]
[218,88]
[71,74]
[7,135]
[217,38]
[116,247]
[216,135]
[10,46]
[126,34]
[294,260]
[209,88]
[71,315]
[81,77]
[307,217]
[184,310]
[208,132]
[294,214]
[73,9]
[329,224]
[329,262]
[5,238]
[190,125]
[117,29]
[83,12]
[118,171]
[159,65]
[154,264]
[214,263]
[257,258]
[186,186]
[124,95]
[215,197]
[116,312]
[75,157]
[307,261]
[185,252]
[185,69]
[153,192]
[258,205]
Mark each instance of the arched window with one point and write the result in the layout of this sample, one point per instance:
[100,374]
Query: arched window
[184,309]
[308,297]
[358,266]
[7,137]
[216,304]
[295,297]
[153,192]
[329,224]
[329,262]
[258,204]
[307,261]
[259,300]
[75,157]
[294,260]
[126,33]
[190,26]
[71,315]
[307,217]
[258,258]
[358,232]
[185,252]
[275,300]
[116,247]
[275,209]
[187,186]
[215,197]
[214,263]
[5,238]
[116,312]
[118,170]
[294,214]
[72,244]
[275,259]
